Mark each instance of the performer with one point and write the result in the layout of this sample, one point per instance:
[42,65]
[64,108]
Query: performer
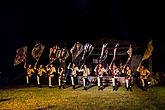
[128,78]
[144,74]
[100,70]
[29,73]
[61,72]
[114,73]
[86,72]
[67,75]
[40,70]
[74,70]
[121,70]
[52,71]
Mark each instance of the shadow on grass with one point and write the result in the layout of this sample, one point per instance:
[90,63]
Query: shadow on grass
[105,86]
[67,86]
[46,108]
[79,86]
[90,86]
[7,99]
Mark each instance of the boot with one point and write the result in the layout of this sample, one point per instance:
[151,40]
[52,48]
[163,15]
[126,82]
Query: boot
[63,86]
[116,88]
[113,88]
[59,87]
[50,86]
[145,89]
[40,86]
[127,88]
[74,87]
[130,88]
[85,88]
[99,88]
[102,88]
[27,85]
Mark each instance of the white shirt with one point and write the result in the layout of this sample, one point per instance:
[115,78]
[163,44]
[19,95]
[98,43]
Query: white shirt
[86,72]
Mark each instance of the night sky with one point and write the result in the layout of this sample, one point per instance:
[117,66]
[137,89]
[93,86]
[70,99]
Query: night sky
[64,20]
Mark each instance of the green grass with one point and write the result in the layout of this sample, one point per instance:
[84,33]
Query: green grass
[45,98]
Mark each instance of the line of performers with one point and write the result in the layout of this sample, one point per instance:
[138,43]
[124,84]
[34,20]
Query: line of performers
[100,70]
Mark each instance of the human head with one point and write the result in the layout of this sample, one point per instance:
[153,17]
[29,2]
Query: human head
[51,65]
[100,65]
[85,66]
[30,65]
[61,67]
[127,68]
[142,66]
[114,66]
[73,65]
[41,66]
[129,71]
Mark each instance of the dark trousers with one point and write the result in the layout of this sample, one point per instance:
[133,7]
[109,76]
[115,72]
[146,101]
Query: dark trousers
[67,76]
[56,78]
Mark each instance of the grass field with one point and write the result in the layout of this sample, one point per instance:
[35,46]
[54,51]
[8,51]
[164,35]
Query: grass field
[34,98]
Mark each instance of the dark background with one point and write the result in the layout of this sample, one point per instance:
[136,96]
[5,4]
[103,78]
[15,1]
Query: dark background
[67,21]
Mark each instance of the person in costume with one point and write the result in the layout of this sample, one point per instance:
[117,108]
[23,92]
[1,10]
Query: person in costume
[51,71]
[29,72]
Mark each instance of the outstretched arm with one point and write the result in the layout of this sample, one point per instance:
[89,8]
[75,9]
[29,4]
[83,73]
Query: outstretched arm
[47,68]
[58,70]
[95,68]
[148,72]
[25,65]
[69,66]
[88,71]
[138,69]
[44,71]
[54,70]
[35,67]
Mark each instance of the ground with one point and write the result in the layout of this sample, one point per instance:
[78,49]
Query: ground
[34,98]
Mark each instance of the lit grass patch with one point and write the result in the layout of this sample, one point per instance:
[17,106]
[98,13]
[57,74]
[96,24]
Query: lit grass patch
[92,99]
